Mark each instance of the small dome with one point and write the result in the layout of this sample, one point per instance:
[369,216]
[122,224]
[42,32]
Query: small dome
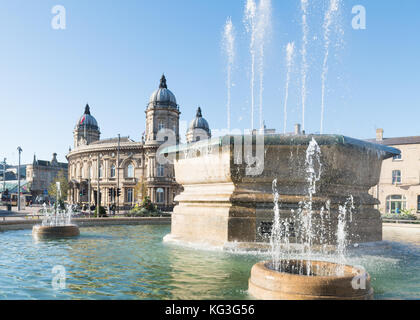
[199,122]
[87,120]
[163,97]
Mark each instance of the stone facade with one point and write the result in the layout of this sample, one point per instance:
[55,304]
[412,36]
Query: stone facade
[40,174]
[399,184]
[128,165]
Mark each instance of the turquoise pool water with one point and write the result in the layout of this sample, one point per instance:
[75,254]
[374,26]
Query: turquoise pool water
[132,262]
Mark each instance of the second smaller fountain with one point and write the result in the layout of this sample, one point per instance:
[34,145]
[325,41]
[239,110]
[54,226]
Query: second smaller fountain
[56,223]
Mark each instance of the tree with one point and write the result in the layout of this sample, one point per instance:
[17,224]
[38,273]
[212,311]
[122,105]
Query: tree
[64,185]
[140,190]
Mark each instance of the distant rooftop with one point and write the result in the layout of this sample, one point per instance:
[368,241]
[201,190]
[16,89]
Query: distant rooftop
[393,141]
[52,163]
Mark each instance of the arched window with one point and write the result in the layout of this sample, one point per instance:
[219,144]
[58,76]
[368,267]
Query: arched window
[130,171]
[113,171]
[160,170]
[396,204]
[160,195]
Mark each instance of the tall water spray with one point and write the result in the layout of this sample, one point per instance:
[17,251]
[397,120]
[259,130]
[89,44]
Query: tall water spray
[280,235]
[251,27]
[258,23]
[304,51]
[330,17]
[229,48]
[345,214]
[263,29]
[290,49]
[305,212]
[276,237]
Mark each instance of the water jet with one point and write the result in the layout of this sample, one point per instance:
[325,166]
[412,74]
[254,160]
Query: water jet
[56,224]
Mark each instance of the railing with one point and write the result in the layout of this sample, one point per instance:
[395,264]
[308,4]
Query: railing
[401,221]
[38,217]
[26,216]
[164,208]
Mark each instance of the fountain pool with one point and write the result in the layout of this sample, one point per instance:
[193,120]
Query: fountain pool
[132,262]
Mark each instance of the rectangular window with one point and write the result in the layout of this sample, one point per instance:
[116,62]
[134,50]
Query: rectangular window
[161,125]
[418,203]
[395,204]
[160,195]
[397,157]
[129,195]
[160,170]
[396,177]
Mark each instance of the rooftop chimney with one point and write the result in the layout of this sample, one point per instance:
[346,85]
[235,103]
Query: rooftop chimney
[379,134]
[297,129]
[54,159]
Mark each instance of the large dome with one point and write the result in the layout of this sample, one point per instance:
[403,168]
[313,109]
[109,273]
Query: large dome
[87,120]
[163,97]
[199,123]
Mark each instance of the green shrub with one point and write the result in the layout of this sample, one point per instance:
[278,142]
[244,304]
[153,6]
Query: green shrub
[405,215]
[145,209]
[102,212]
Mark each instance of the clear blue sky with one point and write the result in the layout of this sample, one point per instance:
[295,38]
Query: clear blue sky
[113,53]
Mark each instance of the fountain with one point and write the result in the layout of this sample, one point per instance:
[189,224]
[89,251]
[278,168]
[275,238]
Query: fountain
[56,222]
[321,203]
[321,284]
[305,278]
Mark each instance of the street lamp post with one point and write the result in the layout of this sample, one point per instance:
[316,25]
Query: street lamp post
[4,175]
[89,190]
[18,199]
[118,173]
[98,194]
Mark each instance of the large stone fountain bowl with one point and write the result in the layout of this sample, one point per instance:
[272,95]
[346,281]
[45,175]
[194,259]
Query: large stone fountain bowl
[227,200]
[323,283]
[42,232]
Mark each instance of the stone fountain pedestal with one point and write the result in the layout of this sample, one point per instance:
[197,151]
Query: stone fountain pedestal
[41,232]
[222,203]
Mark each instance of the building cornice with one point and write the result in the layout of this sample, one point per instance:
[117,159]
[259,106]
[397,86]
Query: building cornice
[106,147]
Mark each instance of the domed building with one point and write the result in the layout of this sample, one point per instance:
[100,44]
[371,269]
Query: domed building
[198,129]
[125,164]
[86,130]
